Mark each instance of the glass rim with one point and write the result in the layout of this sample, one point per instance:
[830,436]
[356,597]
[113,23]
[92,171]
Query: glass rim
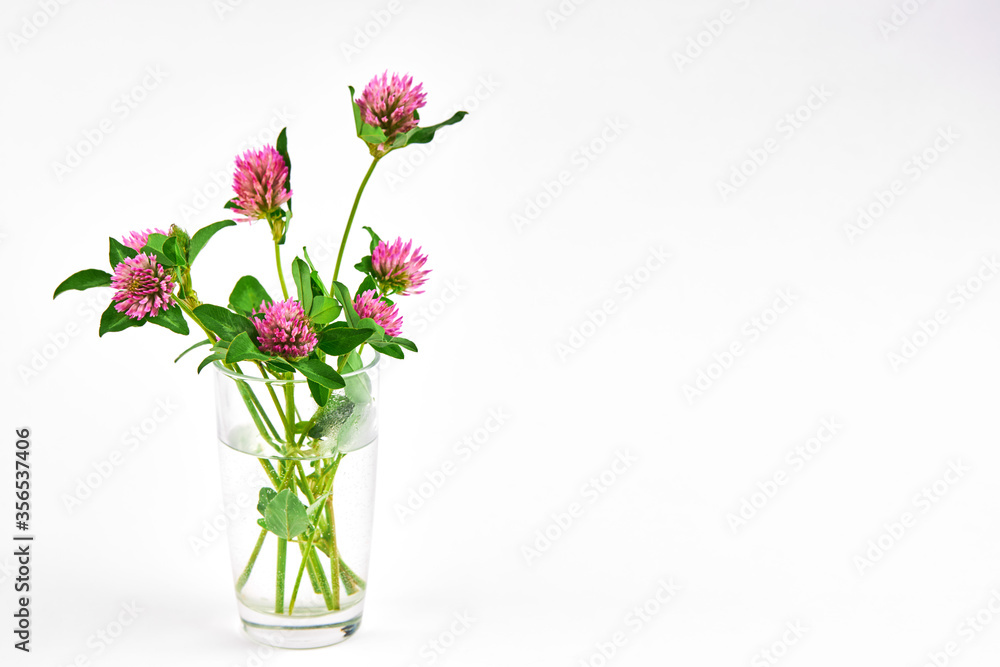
[256,378]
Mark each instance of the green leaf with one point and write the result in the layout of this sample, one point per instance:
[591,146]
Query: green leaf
[198,344]
[424,135]
[318,286]
[331,418]
[365,266]
[375,239]
[281,145]
[279,366]
[319,393]
[164,248]
[371,135]
[313,510]
[402,342]
[221,347]
[82,280]
[264,497]
[202,236]
[301,274]
[242,348]
[209,359]
[286,516]
[319,372]
[231,204]
[173,319]
[367,284]
[357,113]
[359,386]
[113,321]
[325,309]
[305,253]
[223,322]
[343,295]
[154,243]
[372,325]
[171,254]
[389,349]
[248,295]
[119,252]
[342,340]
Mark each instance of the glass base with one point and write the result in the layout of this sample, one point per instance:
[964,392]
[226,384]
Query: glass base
[300,632]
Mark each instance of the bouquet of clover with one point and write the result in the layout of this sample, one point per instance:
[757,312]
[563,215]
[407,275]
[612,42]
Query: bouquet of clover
[313,338]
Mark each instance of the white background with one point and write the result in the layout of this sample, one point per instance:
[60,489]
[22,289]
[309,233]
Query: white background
[662,133]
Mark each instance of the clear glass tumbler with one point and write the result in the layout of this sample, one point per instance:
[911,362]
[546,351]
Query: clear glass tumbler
[300,462]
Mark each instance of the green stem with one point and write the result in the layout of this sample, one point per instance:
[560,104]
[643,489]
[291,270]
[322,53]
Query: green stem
[279,591]
[250,400]
[350,219]
[335,559]
[254,407]
[316,569]
[269,470]
[194,318]
[305,431]
[349,585]
[289,419]
[253,559]
[281,273]
[274,398]
[348,573]
[287,478]
[263,415]
[334,554]
[310,569]
[298,577]
[303,483]
[279,588]
[309,558]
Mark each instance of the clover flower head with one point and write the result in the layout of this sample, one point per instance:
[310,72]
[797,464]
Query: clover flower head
[144,288]
[369,304]
[397,269]
[260,183]
[284,330]
[390,104]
